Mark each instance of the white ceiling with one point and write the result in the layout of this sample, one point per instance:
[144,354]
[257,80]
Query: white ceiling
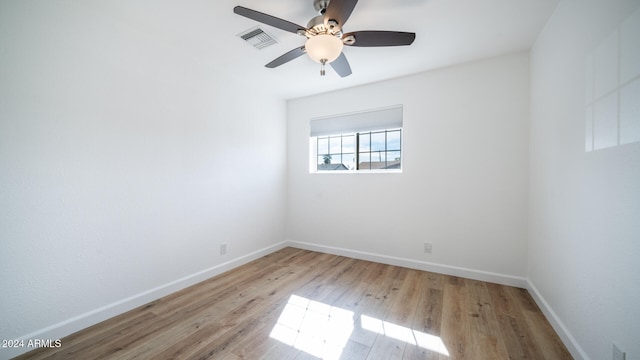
[447,32]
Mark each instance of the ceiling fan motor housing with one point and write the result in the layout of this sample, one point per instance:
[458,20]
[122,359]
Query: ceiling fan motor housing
[317,26]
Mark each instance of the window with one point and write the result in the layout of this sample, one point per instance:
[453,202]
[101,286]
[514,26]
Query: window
[379,150]
[364,141]
[336,152]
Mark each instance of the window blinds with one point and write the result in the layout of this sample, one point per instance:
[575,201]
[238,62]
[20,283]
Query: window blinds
[379,119]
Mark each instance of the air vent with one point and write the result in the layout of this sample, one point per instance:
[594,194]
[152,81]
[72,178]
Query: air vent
[257,38]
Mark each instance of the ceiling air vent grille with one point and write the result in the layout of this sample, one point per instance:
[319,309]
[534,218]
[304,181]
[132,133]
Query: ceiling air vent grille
[257,38]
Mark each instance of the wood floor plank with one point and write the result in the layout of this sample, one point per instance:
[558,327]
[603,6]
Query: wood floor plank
[429,312]
[368,300]
[386,348]
[501,300]
[265,309]
[416,352]
[406,299]
[487,347]
[236,306]
[355,351]
[517,340]
[485,328]
[544,337]
[245,317]
[455,320]
[427,320]
[277,351]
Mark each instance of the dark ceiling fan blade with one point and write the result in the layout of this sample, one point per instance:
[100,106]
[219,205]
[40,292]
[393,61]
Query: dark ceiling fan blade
[341,65]
[380,38]
[268,19]
[339,11]
[285,58]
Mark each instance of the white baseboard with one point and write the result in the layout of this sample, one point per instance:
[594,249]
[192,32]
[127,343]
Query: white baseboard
[416,264]
[82,321]
[569,341]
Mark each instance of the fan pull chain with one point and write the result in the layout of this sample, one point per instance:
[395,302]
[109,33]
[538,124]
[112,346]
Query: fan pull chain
[323,62]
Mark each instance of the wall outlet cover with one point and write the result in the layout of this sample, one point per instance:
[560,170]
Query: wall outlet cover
[618,354]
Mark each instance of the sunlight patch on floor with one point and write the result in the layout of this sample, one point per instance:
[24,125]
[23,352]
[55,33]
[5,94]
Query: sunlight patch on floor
[323,331]
[412,337]
[313,327]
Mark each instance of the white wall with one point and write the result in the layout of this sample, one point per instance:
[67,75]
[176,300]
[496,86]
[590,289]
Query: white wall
[464,181]
[124,164]
[585,204]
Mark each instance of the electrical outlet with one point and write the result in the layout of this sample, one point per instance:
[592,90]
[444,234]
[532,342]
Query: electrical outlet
[223,249]
[618,354]
[427,248]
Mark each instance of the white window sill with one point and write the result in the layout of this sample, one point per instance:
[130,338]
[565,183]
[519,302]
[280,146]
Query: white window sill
[357,172]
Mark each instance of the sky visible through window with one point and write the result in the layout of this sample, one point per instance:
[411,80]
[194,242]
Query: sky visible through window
[375,150]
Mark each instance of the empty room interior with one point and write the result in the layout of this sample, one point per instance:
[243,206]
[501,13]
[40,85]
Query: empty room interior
[441,179]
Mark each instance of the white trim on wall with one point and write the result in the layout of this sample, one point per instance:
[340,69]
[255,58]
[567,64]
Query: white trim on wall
[567,338]
[569,341]
[502,279]
[93,317]
[82,321]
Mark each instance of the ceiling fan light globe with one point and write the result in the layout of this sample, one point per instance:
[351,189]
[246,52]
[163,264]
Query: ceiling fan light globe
[323,47]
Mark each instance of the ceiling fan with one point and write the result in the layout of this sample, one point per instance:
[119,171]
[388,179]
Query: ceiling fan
[325,38]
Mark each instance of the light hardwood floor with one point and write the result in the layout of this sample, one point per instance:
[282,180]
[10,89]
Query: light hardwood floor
[298,304]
